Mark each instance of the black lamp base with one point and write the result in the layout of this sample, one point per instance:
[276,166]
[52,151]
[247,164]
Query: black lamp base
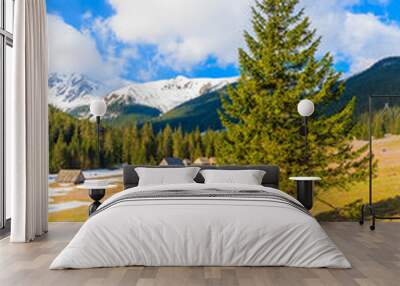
[96,195]
[305,191]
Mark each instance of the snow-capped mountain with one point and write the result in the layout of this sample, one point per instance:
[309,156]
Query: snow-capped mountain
[68,91]
[71,92]
[166,94]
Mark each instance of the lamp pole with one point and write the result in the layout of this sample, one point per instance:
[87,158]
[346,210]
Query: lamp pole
[98,139]
[305,108]
[98,108]
[305,139]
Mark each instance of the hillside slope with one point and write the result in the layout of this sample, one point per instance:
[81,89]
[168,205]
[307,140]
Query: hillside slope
[200,112]
[382,78]
[165,95]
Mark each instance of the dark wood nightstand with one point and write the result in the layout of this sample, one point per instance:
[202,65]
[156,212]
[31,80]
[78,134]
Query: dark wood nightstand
[305,189]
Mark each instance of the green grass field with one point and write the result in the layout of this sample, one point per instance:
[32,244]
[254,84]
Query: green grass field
[328,205]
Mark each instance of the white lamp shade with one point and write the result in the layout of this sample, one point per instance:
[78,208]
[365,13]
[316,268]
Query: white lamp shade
[305,107]
[98,107]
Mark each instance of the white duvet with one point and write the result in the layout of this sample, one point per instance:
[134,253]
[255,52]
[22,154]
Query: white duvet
[202,232]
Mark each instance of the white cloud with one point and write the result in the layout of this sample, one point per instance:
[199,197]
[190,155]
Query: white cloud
[360,39]
[70,49]
[185,32]
[74,51]
[87,15]
[146,74]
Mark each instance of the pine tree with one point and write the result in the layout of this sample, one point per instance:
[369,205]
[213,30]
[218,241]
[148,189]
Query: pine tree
[74,151]
[148,144]
[198,148]
[166,143]
[126,145]
[134,142]
[108,148]
[159,146]
[191,146]
[260,114]
[59,156]
[178,144]
[208,143]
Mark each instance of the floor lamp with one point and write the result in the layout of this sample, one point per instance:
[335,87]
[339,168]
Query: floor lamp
[370,207]
[98,108]
[306,109]
[305,185]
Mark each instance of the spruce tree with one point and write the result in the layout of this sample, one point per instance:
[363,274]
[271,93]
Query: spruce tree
[126,145]
[134,144]
[278,69]
[198,149]
[109,147]
[208,143]
[191,146]
[59,155]
[166,143]
[178,144]
[74,151]
[149,143]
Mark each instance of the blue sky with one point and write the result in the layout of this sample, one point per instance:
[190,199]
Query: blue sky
[124,40]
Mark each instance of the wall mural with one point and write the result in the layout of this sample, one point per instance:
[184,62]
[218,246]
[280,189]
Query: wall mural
[186,84]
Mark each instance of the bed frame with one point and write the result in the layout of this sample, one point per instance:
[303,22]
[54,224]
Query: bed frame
[271,177]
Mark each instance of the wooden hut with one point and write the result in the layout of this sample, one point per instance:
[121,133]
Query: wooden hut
[202,161]
[186,162]
[70,176]
[170,161]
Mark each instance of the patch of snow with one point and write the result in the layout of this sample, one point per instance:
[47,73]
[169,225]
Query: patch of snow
[68,91]
[167,94]
[91,174]
[56,192]
[71,91]
[67,205]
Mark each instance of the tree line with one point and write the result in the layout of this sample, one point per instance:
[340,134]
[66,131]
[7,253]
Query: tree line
[73,143]
[384,121]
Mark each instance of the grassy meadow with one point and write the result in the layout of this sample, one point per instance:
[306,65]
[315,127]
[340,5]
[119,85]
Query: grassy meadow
[344,205]
[68,203]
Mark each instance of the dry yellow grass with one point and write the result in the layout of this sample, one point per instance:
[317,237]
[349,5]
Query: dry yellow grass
[386,184]
[70,215]
[78,195]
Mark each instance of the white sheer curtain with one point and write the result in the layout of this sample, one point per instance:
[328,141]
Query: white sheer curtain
[27,123]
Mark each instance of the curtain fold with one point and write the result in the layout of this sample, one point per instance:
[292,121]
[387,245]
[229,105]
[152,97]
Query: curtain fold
[27,120]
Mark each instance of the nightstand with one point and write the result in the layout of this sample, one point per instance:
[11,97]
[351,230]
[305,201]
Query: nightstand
[96,193]
[305,188]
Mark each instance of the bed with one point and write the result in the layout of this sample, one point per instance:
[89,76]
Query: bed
[198,224]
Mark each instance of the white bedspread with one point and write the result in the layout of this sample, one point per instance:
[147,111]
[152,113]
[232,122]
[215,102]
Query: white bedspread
[200,231]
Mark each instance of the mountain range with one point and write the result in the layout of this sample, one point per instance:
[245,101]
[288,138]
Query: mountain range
[73,93]
[69,91]
[192,103]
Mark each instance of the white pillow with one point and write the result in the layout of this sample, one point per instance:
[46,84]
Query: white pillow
[166,176]
[248,177]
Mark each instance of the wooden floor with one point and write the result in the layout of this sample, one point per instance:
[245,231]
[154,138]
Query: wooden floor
[375,257]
